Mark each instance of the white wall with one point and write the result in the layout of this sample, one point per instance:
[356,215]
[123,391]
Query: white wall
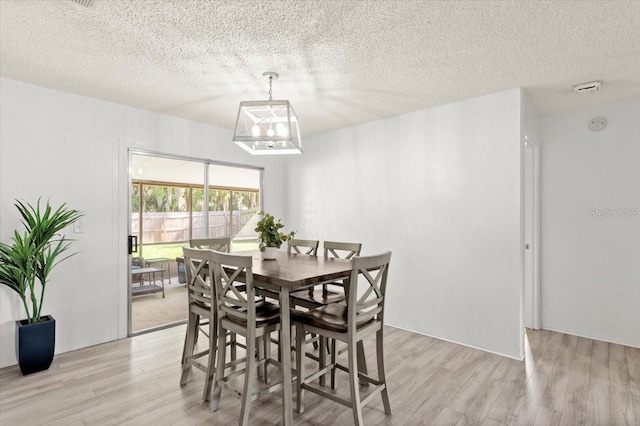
[441,188]
[590,265]
[73,149]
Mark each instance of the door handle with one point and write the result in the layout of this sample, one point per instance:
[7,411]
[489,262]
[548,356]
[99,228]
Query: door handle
[132,244]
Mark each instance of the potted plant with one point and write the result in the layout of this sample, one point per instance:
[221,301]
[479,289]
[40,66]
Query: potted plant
[270,236]
[25,266]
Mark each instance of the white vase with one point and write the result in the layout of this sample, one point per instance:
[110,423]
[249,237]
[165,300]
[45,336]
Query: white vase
[270,253]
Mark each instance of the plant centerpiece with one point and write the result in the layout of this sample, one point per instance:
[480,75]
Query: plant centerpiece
[270,236]
[25,266]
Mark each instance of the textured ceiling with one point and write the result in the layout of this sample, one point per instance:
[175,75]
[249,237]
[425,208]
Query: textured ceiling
[340,62]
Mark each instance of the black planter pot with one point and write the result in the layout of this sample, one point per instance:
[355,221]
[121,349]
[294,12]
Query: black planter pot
[35,344]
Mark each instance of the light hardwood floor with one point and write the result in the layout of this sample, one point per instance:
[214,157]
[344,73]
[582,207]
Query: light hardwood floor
[564,380]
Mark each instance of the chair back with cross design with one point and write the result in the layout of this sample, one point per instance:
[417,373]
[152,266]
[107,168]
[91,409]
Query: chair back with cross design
[341,250]
[217,244]
[365,294]
[235,294]
[298,246]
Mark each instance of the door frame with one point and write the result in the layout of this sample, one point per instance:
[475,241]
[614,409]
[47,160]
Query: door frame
[126,155]
[536,290]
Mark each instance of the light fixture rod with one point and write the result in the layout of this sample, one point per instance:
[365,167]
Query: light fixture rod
[271,76]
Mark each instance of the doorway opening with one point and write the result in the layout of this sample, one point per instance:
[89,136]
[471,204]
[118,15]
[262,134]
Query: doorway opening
[169,206]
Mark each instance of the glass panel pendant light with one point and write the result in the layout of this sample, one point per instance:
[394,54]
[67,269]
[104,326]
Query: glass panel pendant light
[267,127]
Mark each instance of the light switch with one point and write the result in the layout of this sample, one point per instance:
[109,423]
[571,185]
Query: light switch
[78,227]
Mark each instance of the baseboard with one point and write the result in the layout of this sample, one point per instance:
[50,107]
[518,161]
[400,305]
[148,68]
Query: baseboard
[458,343]
[589,337]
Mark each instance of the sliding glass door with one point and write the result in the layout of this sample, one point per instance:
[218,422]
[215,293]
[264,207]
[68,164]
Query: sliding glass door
[169,206]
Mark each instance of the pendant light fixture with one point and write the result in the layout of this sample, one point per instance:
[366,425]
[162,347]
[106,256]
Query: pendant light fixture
[267,127]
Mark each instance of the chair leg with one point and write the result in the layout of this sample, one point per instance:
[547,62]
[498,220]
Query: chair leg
[213,345]
[248,381]
[184,347]
[187,351]
[219,378]
[322,358]
[334,353]
[382,377]
[264,351]
[279,342]
[186,337]
[234,346]
[353,383]
[300,361]
[261,348]
[266,343]
[362,362]
[198,330]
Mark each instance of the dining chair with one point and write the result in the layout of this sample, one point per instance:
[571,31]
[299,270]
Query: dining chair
[218,244]
[222,244]
[298,246]
[239,312]
[201,303]
[361,316]
[318,296]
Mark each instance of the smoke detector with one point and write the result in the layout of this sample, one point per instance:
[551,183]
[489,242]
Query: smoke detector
[597,124]
[592,86]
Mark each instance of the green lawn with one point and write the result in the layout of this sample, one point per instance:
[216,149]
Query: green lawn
[171,251]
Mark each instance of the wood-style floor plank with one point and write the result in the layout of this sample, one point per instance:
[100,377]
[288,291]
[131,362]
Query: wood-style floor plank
[633,363]
[547,417]
[479,408]
[574,409]
[556,389]
[564,380]
[515,386]
[622,409]
[599,384]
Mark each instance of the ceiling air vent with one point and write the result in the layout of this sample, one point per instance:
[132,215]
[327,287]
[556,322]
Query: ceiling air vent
[85,3]
[587,87]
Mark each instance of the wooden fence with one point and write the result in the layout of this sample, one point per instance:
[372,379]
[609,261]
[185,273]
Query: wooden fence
[174,226]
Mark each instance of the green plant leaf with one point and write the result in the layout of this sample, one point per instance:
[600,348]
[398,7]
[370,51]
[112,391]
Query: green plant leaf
[269,231]
[33,255]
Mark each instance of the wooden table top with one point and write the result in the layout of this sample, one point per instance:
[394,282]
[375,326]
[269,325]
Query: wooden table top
[298,270]
[295,270]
